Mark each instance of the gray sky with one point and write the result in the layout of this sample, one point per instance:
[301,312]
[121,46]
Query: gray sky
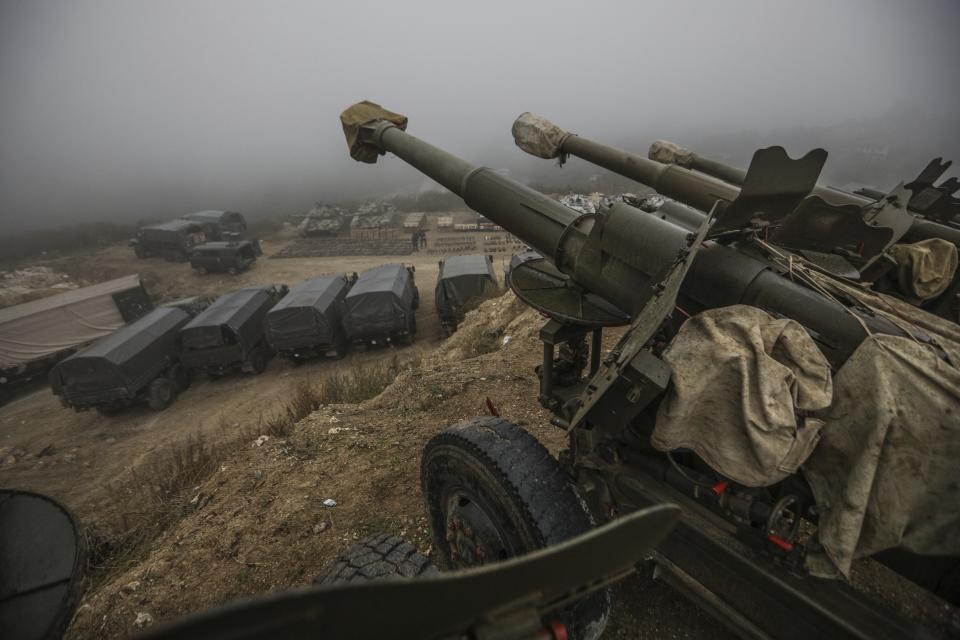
[144,108]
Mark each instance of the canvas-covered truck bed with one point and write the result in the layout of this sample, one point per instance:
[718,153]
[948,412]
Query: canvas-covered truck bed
[218,223]
[229,334]
[306,322]
[125,366]
[380,308]
[463,282]
[37,334]
[171,240]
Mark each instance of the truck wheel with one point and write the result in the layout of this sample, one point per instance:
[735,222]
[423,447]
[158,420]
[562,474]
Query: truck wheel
[161,394]
[181,376]
[494,492]
[377,558]
[257,362]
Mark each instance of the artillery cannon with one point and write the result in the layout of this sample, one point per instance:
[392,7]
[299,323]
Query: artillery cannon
[676,276]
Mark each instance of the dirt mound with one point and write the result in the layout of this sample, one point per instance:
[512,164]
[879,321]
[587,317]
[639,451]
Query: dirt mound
[259,523]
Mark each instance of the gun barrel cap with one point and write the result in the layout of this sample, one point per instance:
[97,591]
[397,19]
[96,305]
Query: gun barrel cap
[358,115]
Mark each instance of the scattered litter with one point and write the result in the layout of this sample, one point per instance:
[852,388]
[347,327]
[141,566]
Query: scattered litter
[506,340]
[330,502]
[144,619]
[260,440]
[320,527]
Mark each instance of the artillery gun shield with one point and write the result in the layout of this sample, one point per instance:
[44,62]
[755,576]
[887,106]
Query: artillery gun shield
[773,187]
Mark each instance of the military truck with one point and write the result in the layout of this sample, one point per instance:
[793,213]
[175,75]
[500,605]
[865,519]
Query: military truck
[231,257]
[137,363]
[36,335]
[220,225]
[172,240]
[463,282]
[783,488]
[229,334]
[380,308]
[306,323]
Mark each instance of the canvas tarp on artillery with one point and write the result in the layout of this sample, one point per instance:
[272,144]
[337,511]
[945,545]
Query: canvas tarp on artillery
[878,442]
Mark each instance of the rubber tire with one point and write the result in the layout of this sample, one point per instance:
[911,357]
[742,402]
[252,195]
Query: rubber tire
[257,362]
[181,377]
[379,557]
[532,500]
[161,394]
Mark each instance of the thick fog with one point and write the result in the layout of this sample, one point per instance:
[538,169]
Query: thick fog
[137,109]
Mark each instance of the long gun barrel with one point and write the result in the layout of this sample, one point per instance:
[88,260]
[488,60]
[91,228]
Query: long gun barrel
[617,253]
[665,152]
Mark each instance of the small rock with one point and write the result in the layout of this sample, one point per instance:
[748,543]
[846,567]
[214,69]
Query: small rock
[320,527]
[337,430]
[110,440]
[330,502]
[130,587]
[260,440]
[69,457]
[143,619]
[334,419]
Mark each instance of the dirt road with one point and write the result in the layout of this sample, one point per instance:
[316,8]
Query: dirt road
[72,456]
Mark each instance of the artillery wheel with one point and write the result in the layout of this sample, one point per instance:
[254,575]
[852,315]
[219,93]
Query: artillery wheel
[494,492]
[161,394]
[379,557]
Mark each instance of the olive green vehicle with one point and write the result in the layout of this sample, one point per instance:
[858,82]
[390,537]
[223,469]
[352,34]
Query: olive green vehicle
[138,363]
[171,241]
[231,256]
[758,554]
[220,225]
[229,335]
[463,283]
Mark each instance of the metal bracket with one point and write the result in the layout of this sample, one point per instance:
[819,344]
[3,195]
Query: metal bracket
[645,325]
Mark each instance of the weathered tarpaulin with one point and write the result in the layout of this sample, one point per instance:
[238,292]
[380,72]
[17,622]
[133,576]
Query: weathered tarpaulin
[885,473]
[925,269]
[740,379]
[44,327]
